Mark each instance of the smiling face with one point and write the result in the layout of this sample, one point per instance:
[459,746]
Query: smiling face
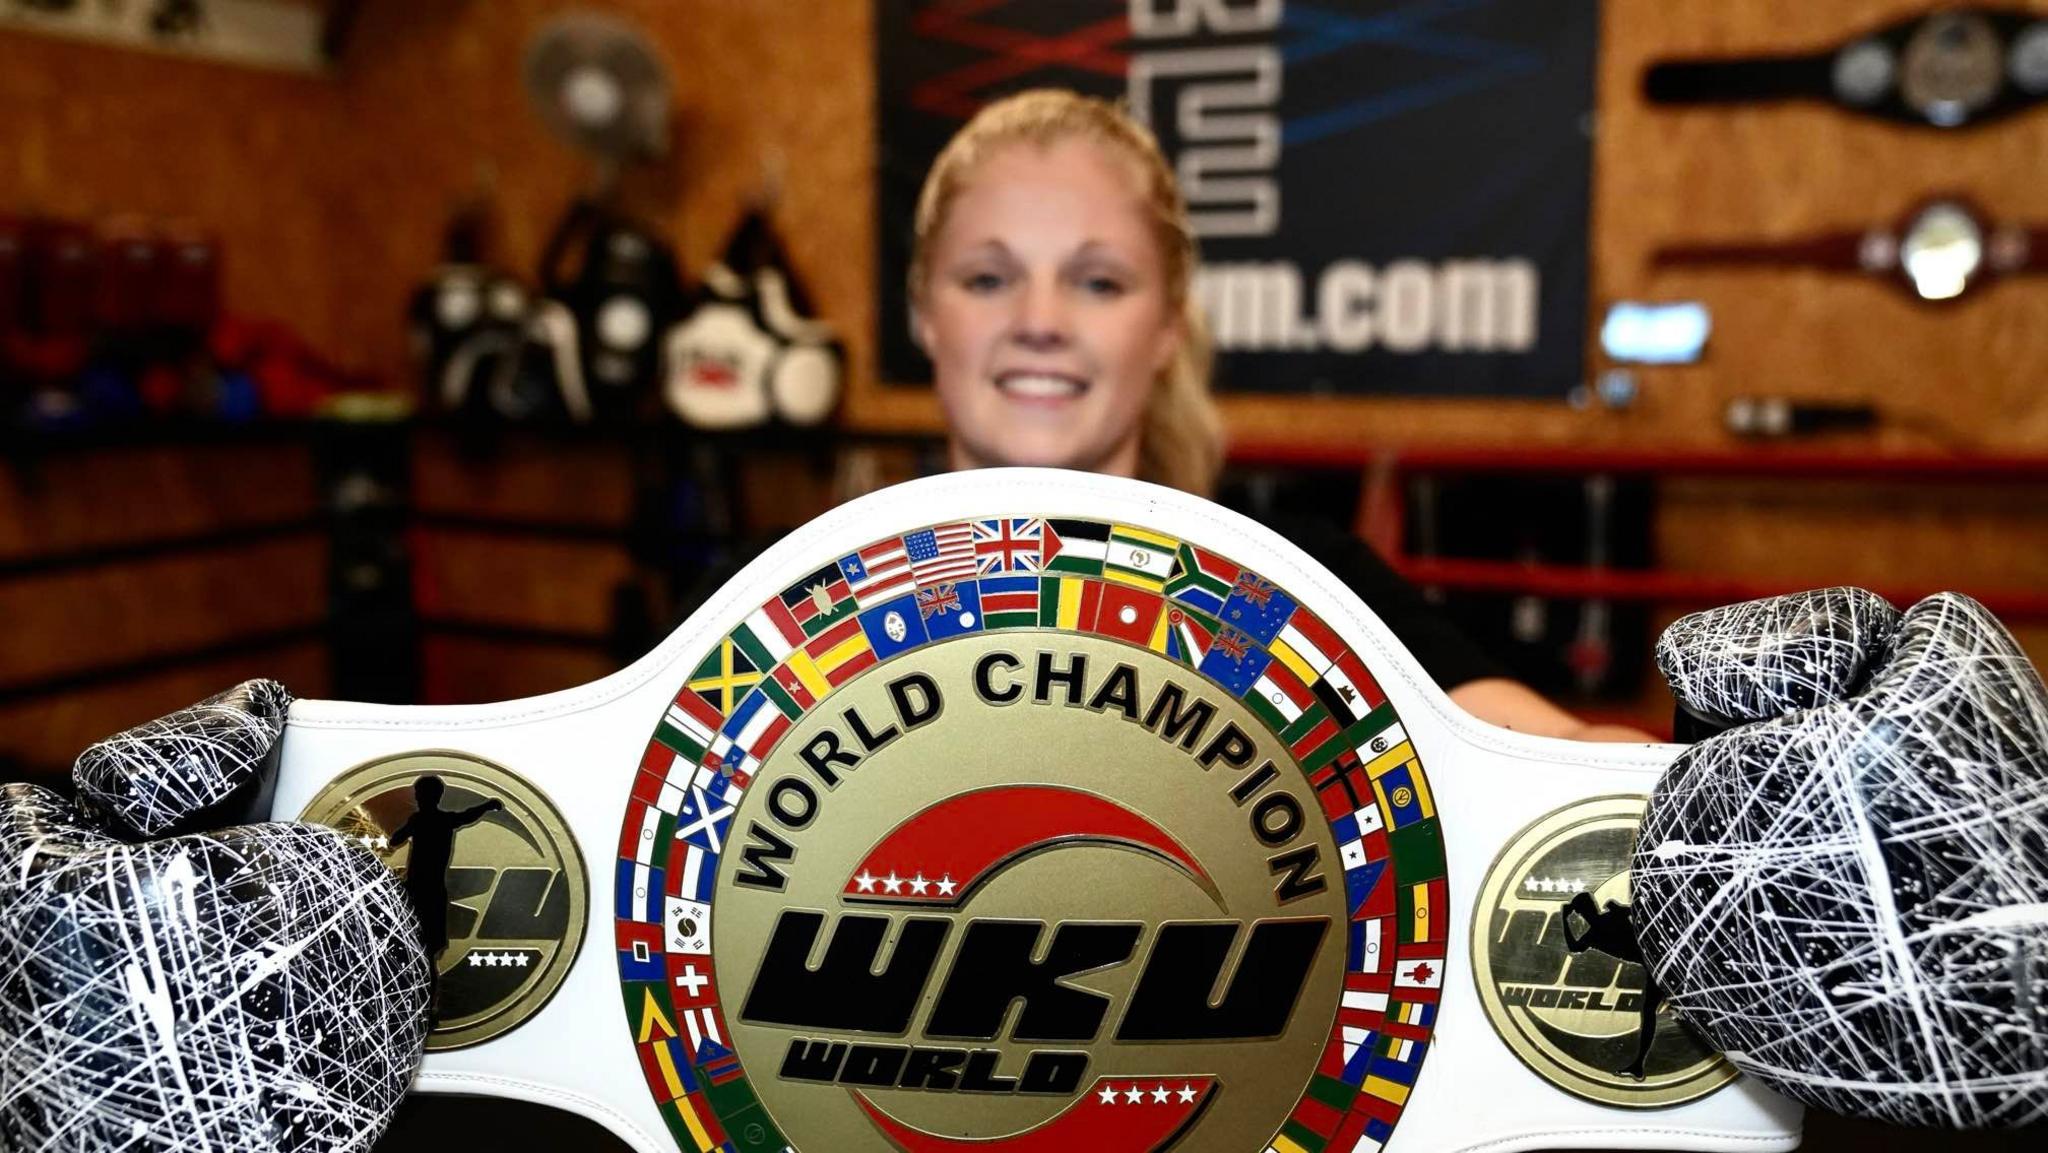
[1046,310]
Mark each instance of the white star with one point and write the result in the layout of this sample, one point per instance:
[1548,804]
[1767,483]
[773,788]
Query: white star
[892,883]
[866,881]
[947,885]
[520,960]
[918,884]
[1133,1096]
[1187,1094]
[1159,1095]
[1108,1095]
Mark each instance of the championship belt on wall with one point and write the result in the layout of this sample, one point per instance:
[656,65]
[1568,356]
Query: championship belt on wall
[1943,249]
[1947,69]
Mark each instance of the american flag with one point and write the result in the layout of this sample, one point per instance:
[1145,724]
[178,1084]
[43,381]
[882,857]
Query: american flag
[878,572]
[1012,544]
[944,553]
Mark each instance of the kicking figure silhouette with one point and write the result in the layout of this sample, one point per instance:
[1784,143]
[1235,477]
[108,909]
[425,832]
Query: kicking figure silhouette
[1610,931]
[431,832]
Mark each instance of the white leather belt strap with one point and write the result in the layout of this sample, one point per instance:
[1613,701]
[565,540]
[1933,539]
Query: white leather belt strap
[633,1040]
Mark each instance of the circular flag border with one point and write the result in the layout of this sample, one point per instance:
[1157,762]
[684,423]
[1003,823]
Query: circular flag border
[1063,575]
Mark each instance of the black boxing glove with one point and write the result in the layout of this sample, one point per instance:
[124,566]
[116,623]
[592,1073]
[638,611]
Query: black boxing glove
[255,987]
[1847,892]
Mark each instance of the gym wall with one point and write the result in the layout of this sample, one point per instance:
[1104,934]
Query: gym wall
[330,195]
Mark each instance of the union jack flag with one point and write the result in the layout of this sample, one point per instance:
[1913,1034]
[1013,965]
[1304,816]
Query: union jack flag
[1254,588]
[1012,544]
[1232,643]
[937,602]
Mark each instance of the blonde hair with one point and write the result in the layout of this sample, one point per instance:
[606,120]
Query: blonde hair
[1181,442]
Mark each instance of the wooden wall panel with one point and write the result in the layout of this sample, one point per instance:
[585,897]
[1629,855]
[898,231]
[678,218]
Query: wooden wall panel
[1973,538]
[1900,538]
[517,581]
[464,670]
[571,483]
[71,620]
[332,192]
[66,622]
[73,501]
[44,734]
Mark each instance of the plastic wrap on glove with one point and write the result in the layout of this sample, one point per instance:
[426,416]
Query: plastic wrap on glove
[1851,898]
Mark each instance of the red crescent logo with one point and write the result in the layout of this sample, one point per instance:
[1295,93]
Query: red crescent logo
[939,856]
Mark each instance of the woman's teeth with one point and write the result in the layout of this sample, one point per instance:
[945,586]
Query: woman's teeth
[1040,387]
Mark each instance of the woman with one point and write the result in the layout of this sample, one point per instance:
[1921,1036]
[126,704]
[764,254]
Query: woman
[1050,285]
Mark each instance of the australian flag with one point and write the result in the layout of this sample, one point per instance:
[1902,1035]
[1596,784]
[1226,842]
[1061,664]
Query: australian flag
[950,609]
[1257,606]
[1235,662]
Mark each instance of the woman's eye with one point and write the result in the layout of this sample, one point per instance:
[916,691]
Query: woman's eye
[1104,285]
[982,282]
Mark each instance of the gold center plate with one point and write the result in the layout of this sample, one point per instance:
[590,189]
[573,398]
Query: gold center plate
[974,744]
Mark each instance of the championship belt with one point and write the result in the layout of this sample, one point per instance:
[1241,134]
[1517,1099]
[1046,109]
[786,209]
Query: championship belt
[1029,810]
[1941,250]
[1946,70]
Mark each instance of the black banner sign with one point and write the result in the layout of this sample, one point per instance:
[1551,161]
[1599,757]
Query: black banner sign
[1391,197]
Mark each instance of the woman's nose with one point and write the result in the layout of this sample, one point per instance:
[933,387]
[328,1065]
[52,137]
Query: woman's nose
[1041,318]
